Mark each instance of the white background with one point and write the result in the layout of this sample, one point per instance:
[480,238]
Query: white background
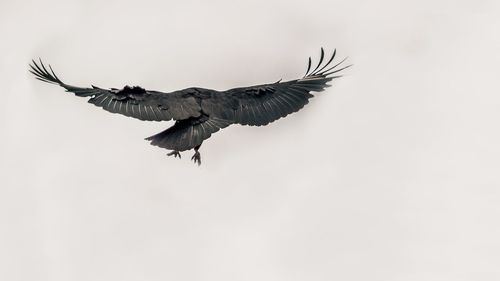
[391,174]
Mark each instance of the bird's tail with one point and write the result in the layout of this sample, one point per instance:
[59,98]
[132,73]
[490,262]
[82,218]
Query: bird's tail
[189,133]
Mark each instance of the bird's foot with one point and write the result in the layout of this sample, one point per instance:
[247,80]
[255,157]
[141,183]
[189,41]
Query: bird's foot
[196,158]
[175,154]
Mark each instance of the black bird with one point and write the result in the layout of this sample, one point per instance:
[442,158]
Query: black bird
[198,112]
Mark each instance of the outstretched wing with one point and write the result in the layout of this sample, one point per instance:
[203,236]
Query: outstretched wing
[134,102]
[262,104]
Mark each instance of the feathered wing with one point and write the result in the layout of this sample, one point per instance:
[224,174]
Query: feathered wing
[262,104]
[134,102]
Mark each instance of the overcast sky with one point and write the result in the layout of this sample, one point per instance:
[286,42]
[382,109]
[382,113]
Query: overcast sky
[391,174]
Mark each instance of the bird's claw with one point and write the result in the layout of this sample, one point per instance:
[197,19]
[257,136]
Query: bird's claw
[175,154]
[196,158]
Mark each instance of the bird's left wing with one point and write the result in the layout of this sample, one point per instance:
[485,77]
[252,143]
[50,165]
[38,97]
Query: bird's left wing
[262,104]
[134,102]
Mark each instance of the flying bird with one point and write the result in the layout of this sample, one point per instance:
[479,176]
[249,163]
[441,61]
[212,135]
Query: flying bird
[199,112]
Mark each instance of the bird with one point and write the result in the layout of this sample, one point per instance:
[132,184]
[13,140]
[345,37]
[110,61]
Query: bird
[198,112]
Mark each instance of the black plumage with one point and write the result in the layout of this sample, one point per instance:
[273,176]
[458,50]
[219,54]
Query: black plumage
[200,112]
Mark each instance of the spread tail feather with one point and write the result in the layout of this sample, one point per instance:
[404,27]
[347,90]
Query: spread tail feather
[189,133]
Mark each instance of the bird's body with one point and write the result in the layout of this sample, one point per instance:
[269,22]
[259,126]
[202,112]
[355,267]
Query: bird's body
[201,112]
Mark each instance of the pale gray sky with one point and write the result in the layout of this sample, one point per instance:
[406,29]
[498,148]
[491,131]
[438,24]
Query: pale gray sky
[391,174]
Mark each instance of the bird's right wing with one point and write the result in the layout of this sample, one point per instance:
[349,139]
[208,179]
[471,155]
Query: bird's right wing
[262,104]
[134,102]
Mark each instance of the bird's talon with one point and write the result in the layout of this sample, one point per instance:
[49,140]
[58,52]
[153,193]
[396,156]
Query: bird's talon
[196,158]
[175,154]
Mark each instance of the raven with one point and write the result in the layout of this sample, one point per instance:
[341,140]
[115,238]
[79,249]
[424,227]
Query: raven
[198,112]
